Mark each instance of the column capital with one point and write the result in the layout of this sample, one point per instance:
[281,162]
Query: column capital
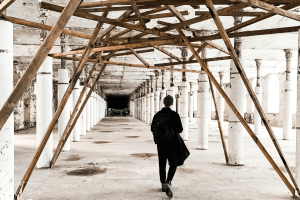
[237,20]
[258,62]
[221,74]
[288,53]
[156,73]
[191,86]
[171,60]
[184,52]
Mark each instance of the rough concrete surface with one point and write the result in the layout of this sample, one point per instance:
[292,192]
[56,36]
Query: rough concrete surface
[117,159]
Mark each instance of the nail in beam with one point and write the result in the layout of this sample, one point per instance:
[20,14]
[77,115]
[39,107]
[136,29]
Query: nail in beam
[61,106]
[36,62]
[231,105]
[225,37]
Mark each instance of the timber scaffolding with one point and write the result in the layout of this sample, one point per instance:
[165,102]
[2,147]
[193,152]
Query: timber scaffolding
[102,47]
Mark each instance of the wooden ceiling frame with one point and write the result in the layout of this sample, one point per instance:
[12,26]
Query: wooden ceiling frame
[74,8]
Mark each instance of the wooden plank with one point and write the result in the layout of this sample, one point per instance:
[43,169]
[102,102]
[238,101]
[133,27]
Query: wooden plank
[107,20]
[175,12]
[219,123]
[241,71]
[244,14]
[194,61]
[167,52]
[31,71]
[184,28]
[121,47]
[5,4]
[203,46]
[269,7]
[156,16]
[139,57]
[137,12]
[120,8]
[236,112]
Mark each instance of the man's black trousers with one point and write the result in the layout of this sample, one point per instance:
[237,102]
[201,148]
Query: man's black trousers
[165,152]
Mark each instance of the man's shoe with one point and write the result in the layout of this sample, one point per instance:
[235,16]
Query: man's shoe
[169,192]
[164,187]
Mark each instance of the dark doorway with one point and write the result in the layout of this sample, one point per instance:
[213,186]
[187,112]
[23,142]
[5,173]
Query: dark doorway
[117,101]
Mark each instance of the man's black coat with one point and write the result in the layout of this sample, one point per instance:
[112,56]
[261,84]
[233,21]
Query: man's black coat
[179,149]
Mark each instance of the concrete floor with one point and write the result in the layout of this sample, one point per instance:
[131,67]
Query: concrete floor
[118,160]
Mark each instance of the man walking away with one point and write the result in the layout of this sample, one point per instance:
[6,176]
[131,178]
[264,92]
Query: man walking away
[166,126]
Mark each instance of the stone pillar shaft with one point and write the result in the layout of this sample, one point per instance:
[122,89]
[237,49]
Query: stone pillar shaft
[297,168]
[88,110]
[191,103]
[220,100]
[44,97]
[77,127]
[288,95]
[83,114]
[258,92]
[7,132]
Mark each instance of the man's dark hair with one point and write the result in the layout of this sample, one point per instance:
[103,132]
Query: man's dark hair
[168,100]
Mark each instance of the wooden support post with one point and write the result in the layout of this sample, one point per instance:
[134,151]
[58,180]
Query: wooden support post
[239,116]
[36,62]
[5,4]
[60,108]
[137,13]
[219,123]
[241,71]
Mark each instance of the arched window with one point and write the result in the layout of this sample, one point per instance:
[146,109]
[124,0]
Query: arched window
[273,94]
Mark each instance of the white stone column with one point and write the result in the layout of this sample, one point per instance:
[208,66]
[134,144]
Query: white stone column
[83,114]
[156,93]
[7,132]
[258,92]
[148,102]
[144,108]
[77,127]
[171,92]
[191,103]
[151,99]
[297,168]
[220,100]
[288,101]
[178,100]
[91,110]
[63,82]
[162,91]
[184,100]
[95,109]
[237,96]
[203,104]
[88,110]
[44,98]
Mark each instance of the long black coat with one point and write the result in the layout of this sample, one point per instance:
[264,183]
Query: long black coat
[179,151]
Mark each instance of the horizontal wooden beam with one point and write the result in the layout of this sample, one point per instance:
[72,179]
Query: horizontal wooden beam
[115,8]
[166,2]
[156,16]
[115,22]
[193,61]
[269,7]
[244,14]
[5,4]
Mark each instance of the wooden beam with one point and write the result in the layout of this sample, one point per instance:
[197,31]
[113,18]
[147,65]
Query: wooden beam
[269,7]
[137,12]
[130,53]
[156,16]
[184,28]
[107,20]
[175,12]
[121,47]
[167,52]
[194,61]
[5,4]
[236,112]
[219,123]
[26,79]
[241,71]
[120,8]
[150,67]
[139,57]
[244,14]
[203,46]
